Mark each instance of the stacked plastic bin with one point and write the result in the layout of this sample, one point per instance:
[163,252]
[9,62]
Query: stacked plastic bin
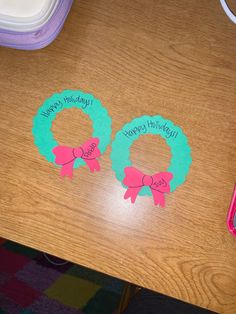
[31,24]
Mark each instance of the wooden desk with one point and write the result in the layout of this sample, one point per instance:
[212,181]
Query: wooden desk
[173,58]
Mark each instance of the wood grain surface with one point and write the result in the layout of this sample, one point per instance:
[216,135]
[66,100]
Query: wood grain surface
[173,58]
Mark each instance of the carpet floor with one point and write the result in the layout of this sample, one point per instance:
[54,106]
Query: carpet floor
[30,284]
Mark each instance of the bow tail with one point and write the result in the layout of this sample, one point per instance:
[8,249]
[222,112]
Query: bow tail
[93,164]
[132,193]
[158,197]
[67,170]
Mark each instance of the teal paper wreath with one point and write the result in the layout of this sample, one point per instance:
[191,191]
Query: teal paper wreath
[42,122]
[181,153]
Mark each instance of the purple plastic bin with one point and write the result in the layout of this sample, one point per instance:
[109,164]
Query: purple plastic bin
[41,36]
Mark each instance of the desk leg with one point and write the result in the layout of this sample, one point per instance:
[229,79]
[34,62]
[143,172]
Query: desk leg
[128,293]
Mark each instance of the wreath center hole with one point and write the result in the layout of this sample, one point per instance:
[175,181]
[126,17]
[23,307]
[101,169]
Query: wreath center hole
[72,127]
[150,154]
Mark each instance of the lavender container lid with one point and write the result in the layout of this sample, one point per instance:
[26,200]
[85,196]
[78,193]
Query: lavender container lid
[36,31]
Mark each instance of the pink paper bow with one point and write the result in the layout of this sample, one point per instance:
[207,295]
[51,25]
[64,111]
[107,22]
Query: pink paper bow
[66,156]
[158,183]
